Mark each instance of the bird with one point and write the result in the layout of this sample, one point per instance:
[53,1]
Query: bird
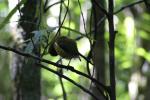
[66,48]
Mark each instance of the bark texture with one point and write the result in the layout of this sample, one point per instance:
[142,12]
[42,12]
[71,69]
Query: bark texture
[26,75]
[99,47]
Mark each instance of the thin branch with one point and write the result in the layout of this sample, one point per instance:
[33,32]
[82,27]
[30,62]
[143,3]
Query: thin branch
[101,8]
[90,41]
[69,16]
[85,58]
[60,15]
[70,80]
[45,5]
[62,85]
[73,30]
[35,57]
[55,64]
[82,17]
[129,5]
[33,43]
[46,9]
[60,26]
[39,14]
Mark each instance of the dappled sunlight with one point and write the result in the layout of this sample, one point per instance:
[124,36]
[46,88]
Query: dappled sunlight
[52,22]
[16,16]
[136,81]
[55,10]
[129,27]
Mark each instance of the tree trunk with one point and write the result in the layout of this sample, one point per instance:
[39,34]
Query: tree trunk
[99,47]
[26,74]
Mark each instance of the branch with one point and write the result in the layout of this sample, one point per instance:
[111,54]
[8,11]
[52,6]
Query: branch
[35,57]
[101,8]
[112,51]
[70,80]
[45,9]
[55,64]
[73,30]
[129,5]
[82,18]
[62,85]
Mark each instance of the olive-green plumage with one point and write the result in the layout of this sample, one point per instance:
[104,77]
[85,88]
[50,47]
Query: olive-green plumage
[66,48]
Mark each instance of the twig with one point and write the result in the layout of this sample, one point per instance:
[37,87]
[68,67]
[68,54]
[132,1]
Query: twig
[90,41]
[60,15]
[127,6]
[82,17]
[39,14]
[46,9]
[101,8]
[82,34]
[32,42]
[85,58]
[69,16]
[62,84]
[35,57]
[45,5]
[70,80]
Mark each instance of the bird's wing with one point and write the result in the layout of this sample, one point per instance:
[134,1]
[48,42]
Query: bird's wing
[71,48]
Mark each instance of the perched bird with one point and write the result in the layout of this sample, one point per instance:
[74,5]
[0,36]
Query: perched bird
[66,48]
